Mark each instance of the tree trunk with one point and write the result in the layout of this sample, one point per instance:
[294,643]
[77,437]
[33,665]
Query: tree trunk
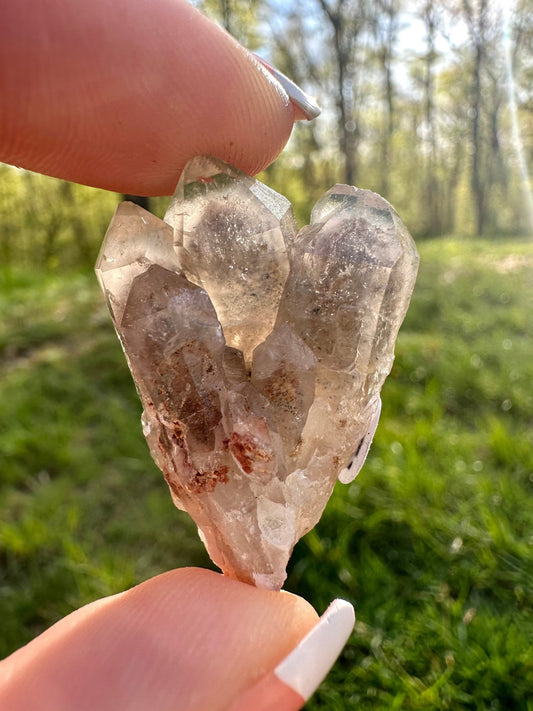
[346,20]
[430,188]
[140,200]
[385,22]
[476,180]
[476,19]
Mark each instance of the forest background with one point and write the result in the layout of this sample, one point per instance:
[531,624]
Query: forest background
[430,104]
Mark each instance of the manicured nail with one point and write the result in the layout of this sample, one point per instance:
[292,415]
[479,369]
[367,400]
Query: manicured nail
[298,676]
[307,104]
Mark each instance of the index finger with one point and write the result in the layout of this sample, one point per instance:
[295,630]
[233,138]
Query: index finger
[120,94]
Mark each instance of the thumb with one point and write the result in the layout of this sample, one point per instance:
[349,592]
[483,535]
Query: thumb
[120,94]
[189,639]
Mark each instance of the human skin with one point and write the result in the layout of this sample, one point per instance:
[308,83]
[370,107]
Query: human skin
[120,94]
[190,640]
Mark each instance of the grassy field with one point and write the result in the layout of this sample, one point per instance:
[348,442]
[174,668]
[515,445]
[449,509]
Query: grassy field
[433,542]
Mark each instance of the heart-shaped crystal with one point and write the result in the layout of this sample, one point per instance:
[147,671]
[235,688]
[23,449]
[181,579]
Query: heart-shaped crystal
[258,351]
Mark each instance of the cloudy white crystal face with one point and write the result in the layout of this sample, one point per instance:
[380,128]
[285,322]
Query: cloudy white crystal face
[258,353]
[235,232]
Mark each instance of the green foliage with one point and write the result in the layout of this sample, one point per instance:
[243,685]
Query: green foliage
[432,542]
[41,223]
[238,17]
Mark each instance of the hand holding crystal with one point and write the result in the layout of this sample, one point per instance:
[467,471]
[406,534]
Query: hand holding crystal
[251,416]
[120,96]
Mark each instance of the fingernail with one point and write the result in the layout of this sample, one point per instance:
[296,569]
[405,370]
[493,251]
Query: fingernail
[298,676]
[307,665]
[306,103]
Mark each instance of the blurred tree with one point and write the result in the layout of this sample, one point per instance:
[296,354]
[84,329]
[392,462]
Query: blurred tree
[348,21]
[518,38]
[385,16]
[238,17]
[293,53]
[477,17]
[428,12]
[49,223]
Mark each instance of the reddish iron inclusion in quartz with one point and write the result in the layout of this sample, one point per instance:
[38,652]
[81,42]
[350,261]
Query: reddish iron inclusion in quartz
[258,351]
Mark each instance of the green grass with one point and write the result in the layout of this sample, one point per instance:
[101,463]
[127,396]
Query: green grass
[433,542]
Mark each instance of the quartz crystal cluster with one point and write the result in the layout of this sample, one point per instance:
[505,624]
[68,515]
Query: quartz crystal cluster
[258,351]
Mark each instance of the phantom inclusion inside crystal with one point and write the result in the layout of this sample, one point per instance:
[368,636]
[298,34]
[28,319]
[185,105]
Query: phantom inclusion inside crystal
[258,351]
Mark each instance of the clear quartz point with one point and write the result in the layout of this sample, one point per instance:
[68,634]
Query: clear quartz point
[258,353]
[235,232]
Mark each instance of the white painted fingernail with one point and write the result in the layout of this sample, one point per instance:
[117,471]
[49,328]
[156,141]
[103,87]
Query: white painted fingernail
[306,103]
[307,665]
